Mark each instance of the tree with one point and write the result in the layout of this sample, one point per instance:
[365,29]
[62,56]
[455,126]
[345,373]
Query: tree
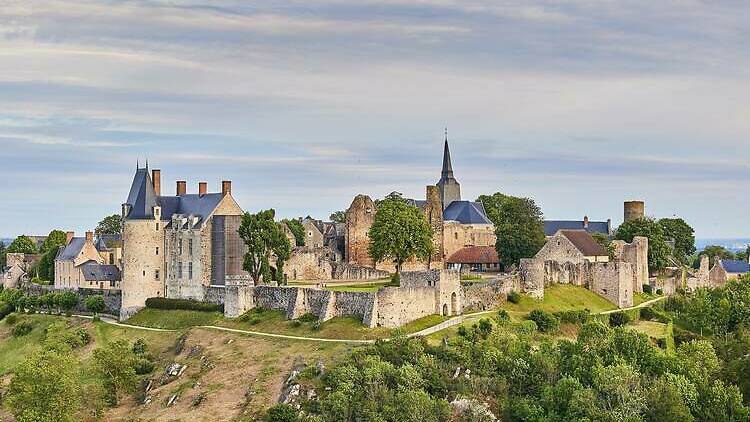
[682,235]
[399,232]
[45,387]
[713,252]
[46,266]
[22,244]
[67,300]
[3,251]
[115,363]
[295,226]
[263,237]
[518,226]
[338,217]
[605,242]
[111,224]
[658,250]
[95,304]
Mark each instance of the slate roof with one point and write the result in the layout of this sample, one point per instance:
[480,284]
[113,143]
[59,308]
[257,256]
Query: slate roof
[142,198]
[584,242]
[553,226]
[111,240]
[475,255]
[71,251]
[735,266]
[466,212]
[97,272]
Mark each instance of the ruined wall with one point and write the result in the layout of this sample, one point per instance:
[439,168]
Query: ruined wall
[359,219]
[347,271]
[613,281]
[487,295]
[532,274]
[577,274]
[457,236]
[433,212]
[635,253]
[400,305]
[308,263]
[718,276]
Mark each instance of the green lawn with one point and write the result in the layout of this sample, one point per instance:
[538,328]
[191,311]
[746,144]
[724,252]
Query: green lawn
[13,350]
[639,298]
[173,319]
[652,329]
[561,297]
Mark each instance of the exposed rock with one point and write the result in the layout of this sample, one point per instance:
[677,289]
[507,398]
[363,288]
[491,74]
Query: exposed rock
[195,351]
[457,372]
[146,400]
[200,398]
[172,400]
[472,410]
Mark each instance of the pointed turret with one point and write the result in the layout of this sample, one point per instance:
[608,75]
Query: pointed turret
[450,189]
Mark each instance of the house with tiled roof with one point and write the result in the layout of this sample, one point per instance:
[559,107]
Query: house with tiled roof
[70,259]
[551,227]
[573,246]
[179,245]
[474,258]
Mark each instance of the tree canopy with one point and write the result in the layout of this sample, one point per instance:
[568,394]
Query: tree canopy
[338,217]
[45,387]
[519,227]
[46,266]
[264,238]
[713,252]
[682,235]
[295,226]
[22,244]
[658,250]
[399,232]
[111,224]
[3,252]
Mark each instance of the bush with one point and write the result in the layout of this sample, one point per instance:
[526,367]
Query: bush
[182,304]
[648,314]
[659,292]
[22,328]
[618,319]
[5,309]
[502,316]
[526,327]
[514,297]
[684,336]
[95,304]
[143,366]
[574,316]
[316,325]
[396,279]
[140,347]
[11,319]
[647,288]
[308,317]
[281,413]
[545,321]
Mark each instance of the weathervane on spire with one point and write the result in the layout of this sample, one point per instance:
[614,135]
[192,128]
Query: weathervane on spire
[446,134]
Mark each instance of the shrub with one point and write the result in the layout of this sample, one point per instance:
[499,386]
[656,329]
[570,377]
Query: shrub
[684,336]
[22,328]
[485,327]
[526,327]
[618,319]
[648,314]
[647,288]
[463,332]
[308,317]
[396,279]
[11,319]
[295,323]
[659,292]
[5,309]
[143,366]
[545,321]
[183,304]
[502,316]
[95,304]
[514,297]
[574,316]
[140,347]
[281,413]
[316,325]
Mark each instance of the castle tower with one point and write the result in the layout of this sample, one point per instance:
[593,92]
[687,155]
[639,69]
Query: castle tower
[634,210]
[450,189]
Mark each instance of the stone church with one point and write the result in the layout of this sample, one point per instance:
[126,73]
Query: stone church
[464,238]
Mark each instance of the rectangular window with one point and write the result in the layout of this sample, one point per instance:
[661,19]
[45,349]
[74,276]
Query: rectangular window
[190,247]
[157,226]
[179,270]
[190,270]
[179,247]
[157,250]
[156,274]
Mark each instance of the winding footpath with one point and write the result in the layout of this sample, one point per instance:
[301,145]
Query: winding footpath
[425,332]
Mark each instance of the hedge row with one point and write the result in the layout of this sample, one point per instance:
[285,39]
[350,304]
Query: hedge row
[184,304]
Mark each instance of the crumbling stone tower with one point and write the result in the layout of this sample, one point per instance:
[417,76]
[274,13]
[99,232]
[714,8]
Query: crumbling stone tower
[634,210]
[434,213]
[359,219]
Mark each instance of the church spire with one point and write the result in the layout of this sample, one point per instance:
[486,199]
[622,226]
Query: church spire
[447,166]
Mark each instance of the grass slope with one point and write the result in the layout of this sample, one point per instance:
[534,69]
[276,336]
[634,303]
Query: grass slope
[562,297]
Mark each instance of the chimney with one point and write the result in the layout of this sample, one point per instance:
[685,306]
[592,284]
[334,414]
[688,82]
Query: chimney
[202,187]
[585,221]
[69,237]
[181,187]
[226,187]
[90,237]
[156,179]
[609,226]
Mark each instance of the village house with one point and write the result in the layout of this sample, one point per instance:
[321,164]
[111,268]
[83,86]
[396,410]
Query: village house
[71,258]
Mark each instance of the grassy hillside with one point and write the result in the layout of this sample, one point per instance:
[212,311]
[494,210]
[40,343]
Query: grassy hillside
[561,297]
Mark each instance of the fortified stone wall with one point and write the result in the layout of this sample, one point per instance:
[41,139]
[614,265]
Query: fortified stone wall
[400,305]
[486,295]
[308,263]
[718,276]
[531,274]
[457,236]
[112,298]
[347,271]
[577,274]
[613,280]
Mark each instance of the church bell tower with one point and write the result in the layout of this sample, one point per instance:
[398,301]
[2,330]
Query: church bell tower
[450,189]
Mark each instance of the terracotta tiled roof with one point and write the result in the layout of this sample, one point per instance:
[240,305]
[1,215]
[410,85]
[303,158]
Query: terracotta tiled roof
[475,255]
[584,242]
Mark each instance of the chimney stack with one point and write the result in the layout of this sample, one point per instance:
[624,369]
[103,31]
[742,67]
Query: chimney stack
[69,236]
[181,187]
[90,236]
[226,187]
[202,188]
[156,179]
[585,221]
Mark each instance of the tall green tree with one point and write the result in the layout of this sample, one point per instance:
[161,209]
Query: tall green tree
[46,267]
[45,387]
[682,235]
[658,250]
[3,252]
[338,217]
[111,224]
[95,304]
[399,232]
[519,227]
[264,238]
[295,226]
[22,244]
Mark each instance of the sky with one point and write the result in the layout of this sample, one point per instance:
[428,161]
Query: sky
[577,104]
